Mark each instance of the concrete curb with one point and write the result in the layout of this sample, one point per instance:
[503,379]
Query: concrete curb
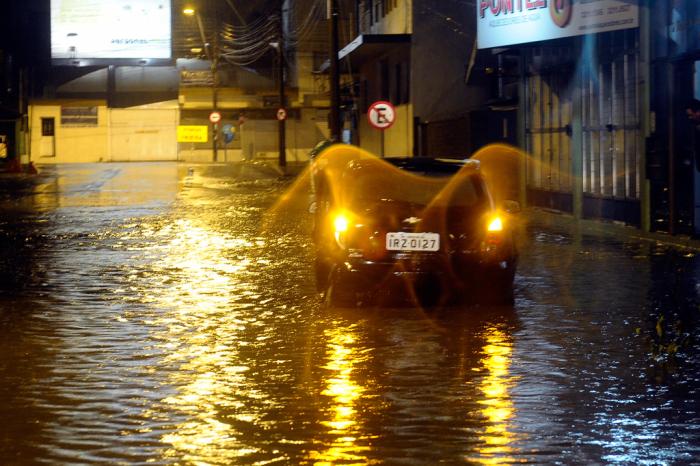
[607,229]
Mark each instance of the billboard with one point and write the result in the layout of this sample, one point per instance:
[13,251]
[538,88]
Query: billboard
[510,22]
[86,32]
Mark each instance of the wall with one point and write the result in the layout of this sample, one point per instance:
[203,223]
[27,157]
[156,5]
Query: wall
[73,144]
[398,140]
[149,134]
[258,139]
[143,134]
[444,35]
[398,19]
[120,135]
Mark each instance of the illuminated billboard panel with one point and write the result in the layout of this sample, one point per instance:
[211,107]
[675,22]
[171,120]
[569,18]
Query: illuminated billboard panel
[110,30]
[509,22]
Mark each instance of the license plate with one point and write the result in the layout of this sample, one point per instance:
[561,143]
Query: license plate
[399,241]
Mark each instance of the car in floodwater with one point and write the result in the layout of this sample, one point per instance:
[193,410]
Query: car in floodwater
[423,228]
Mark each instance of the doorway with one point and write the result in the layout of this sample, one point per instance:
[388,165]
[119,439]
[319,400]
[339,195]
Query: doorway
[685,163]
[47,144]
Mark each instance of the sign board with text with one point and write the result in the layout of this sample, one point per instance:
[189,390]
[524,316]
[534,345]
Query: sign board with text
[187,133]
[111,30]
[78,116]
[508,22]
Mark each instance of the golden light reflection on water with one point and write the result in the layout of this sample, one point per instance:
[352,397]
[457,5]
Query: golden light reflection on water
[343,356]
[496,405]
[202,324]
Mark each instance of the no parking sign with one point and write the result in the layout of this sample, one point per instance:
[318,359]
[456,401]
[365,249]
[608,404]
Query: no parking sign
[381,114]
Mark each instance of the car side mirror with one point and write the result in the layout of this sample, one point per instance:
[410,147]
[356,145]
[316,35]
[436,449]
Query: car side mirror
[512,207]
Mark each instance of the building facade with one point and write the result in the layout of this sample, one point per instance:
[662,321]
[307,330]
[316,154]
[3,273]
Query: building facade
[595,94]
[418,55]
[223,65]
[603,92]
[673,155]
[23,70]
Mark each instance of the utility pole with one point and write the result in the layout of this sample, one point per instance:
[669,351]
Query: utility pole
[282,111]
[215,81]
[213,57]
[334,123]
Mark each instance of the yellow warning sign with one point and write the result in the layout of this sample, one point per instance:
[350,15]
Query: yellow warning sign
[192,133]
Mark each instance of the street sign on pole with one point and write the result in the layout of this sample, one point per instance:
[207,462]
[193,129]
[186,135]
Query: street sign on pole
[215,117]
[281,114]
[229,133]
[381,115]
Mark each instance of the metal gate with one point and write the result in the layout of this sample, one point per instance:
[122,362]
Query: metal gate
[548,122]
[610,115]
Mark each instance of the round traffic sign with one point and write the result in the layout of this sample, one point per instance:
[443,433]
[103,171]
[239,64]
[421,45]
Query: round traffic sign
[381,114]
[215,117]
[281,114]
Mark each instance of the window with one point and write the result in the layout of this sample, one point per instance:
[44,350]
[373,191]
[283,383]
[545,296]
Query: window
[378,10]
[48,126]
[365,96]
[397,98]
[384,79]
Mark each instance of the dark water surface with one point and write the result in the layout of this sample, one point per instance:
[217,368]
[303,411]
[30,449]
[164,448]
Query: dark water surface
[153,315]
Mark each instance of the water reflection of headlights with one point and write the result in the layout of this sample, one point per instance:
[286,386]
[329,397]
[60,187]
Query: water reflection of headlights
[497,406]
[212,387]
[343,357]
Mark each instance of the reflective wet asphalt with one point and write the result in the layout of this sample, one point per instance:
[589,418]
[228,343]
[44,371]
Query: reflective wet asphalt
[167,314]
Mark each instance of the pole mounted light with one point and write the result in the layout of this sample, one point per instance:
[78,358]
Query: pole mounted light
[282,111]
[213,57]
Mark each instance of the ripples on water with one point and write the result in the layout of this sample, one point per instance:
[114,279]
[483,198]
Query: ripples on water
[158,322]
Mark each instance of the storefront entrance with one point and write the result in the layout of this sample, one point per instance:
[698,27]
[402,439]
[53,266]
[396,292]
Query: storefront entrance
[685,146]
[586,90]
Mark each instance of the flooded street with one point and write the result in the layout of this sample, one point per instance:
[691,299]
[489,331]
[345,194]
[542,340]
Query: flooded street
[167,314]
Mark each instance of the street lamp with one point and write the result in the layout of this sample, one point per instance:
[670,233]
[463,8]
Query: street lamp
[213,57]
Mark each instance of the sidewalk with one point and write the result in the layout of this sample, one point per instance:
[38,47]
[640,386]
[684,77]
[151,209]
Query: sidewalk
[607,229]
[246,169]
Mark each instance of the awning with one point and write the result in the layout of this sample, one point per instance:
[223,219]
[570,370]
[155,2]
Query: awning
[368,46]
